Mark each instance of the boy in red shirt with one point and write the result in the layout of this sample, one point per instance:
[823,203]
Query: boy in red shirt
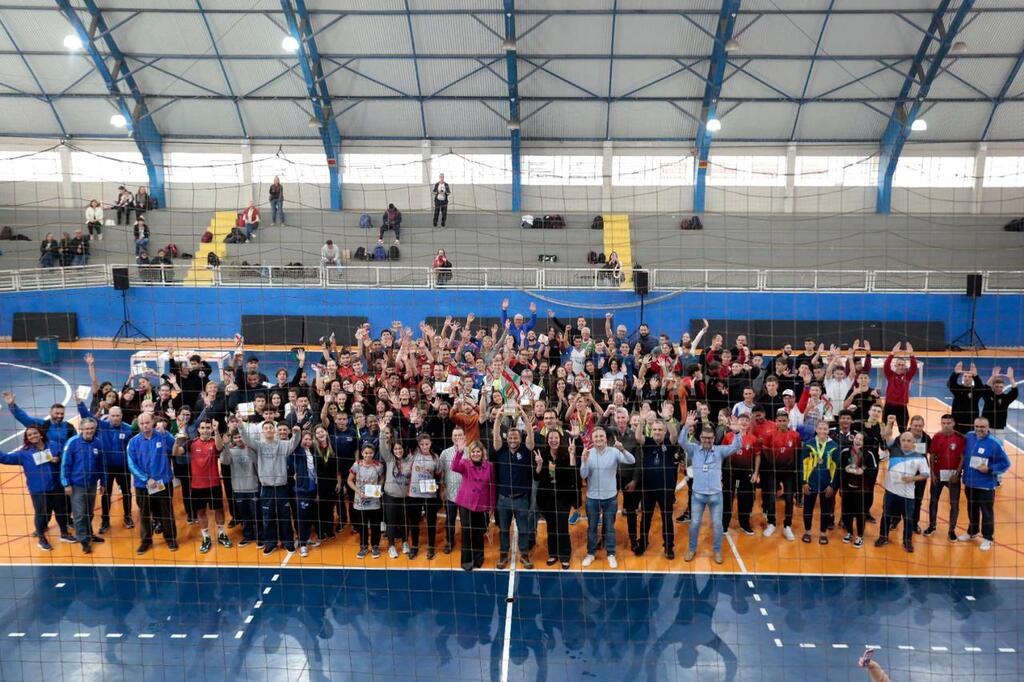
[204,467]
[740,475]
[946,462]
[898,376]
[780,452]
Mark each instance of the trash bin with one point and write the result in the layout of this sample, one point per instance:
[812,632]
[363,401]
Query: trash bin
[46,349]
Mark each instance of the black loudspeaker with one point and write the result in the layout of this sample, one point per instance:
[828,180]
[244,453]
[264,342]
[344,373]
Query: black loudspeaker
[974,285]
[121,282]
[641,282]
[27,326]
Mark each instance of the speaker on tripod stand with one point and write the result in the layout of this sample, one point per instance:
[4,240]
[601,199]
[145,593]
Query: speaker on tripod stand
[970,340]
[127,330]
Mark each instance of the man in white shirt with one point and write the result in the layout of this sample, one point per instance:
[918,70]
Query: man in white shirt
[329,255]
[906,467]
[837,383]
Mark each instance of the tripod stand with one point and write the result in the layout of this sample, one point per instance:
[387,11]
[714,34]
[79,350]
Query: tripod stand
[969,340]
[127,330]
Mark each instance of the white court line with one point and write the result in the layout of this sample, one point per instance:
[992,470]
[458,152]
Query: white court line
[15,634]
[764,612]
[840,646]
[973,649]
[506,644]
[248,619]
[114,635]
[736,553]
[67,391]
[969,598]
[146,635]
[259,603]
[771,627]
[210,636]
[750,584]
[274,578]
[82,635]
[778,642]
[905,647]
[266,590]
[1007,650]
[238,635]
[287,558]
[807,645]
[179,636]
[49,635]
[940,648]
[60,585]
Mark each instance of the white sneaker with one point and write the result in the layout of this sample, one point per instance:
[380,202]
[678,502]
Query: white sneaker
[587,560]
[964,537]
[986,545]
[405,548]
[303,551]
[612,562]
[769,531]
[392,552]
[787,533]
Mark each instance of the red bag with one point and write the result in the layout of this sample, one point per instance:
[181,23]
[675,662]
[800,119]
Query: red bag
[207,237]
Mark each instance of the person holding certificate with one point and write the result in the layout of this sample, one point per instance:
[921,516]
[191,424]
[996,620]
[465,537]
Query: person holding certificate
[42,475]
[985,463]
[366,480]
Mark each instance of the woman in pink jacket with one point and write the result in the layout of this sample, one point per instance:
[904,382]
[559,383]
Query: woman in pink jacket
[476,498]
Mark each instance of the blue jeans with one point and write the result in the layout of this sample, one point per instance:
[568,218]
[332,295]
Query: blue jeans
[141,244]
[81,259]
[48,260]
[277,516]
[250,229]
[276,207]
[714,503]
[518,507]
[83,503]
[601,512]
[307,513]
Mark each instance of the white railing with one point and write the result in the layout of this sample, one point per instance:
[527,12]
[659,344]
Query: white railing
[393,276]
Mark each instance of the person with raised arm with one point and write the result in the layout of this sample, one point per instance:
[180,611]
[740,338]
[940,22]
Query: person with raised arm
[898,376]
[657,473]
[273,448]
[476,500]
[555,472]
[42,476]
[512,458]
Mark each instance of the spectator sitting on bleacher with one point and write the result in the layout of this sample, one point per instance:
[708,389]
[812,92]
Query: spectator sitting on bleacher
[392,220]
[443,267]
[251,220]
[329,254]
[124,205]
[94,219]
[141,233]
[49,251]
[65,249]
[79,249]
[612,269]
[142,202]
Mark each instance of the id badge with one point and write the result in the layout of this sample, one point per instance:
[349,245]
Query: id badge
[428,486]
[704,467]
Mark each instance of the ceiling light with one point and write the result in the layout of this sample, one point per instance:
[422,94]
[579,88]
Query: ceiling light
[289,44]
[919,125]
[508,45]
[714,125]
[513,124]
[959,47]
[72,42]
[732,45]
[118,121]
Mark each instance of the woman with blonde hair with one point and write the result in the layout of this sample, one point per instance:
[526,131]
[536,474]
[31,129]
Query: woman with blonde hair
[476,499]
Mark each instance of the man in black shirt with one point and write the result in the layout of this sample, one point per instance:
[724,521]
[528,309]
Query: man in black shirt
[657,474]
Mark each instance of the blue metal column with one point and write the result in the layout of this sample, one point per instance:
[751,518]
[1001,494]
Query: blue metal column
[512,76]
[712,90]
[898,129]
[319,96]
[140,123]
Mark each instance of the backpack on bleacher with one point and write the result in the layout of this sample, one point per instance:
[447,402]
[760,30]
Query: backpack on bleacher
[365,221]
[592,258]
[597,223]
[360,254]
[207,237]
[557,222]
[379,253]
[171,250]
[394,253]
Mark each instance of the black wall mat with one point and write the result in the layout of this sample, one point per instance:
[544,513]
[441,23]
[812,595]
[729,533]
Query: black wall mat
[343,327]
[773,334]
[27,326]
[274,330]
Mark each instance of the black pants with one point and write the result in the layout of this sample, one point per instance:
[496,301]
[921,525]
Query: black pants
[95,228]
[119,475]
[397,518]
[854,511]
[474,528]
[664,499]
[981,503]
[184,476]
[344,499]
[954,502]
[894,509]
[153,509]
[440,208]
[737,484]
[828,504]
[225,479]
[919,488]
[451,512]
[367,522]
[55,503]
[901,412]
[124,212]
[556,518]
[870,479]
[417,508]
[245,508]
[770,483]
[276,507]
[630,503]
[328,499]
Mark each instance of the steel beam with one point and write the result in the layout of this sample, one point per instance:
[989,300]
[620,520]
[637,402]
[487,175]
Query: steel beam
[141,125]
[810,67]
[43,96]
[512,76]
[1002,96]
[223,71]
[712,91]
[299,26]
[926,66]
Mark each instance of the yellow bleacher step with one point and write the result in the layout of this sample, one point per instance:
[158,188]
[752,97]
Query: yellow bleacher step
[220,227]
[617,238]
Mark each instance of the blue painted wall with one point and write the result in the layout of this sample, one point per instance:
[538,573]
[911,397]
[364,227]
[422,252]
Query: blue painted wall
[216,312]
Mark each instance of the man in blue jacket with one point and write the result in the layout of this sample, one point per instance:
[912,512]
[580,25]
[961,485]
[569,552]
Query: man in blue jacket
[42,475]
[519,326]
[985,463]
[149,459]
[81,470]
[114,435]
[57,431]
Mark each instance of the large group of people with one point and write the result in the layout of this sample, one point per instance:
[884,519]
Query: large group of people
[515,424]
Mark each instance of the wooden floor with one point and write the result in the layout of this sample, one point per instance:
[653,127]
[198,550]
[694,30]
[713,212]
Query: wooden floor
[934,556]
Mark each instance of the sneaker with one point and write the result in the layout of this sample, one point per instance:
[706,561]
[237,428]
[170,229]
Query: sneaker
[413,552]
[612,561]
[68,538]
[303,551]
[787,533]
[104,527]
[930,530]
[361,554]
[858,543]
[769,531]
[908,547]
[315,543]
[684,517]
[718,558]
[670,554]
[527,562]
[244,543]
[269,549]
[129,524]
[917,530]
[206,545]
[375,552]
[587,560]
[690,554]
[392,552]
[405,547]
[565,565]
[144,547]
[986,545]
[881,542]
[952,536]
[44,544]
[806,537]
[502,562]
[847,538]
[86,547]
[447,549]
[224,541]
[574,518]
[431,553]
[747,531]
[290,549]
[964,537]
[97,540]
[551,561]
